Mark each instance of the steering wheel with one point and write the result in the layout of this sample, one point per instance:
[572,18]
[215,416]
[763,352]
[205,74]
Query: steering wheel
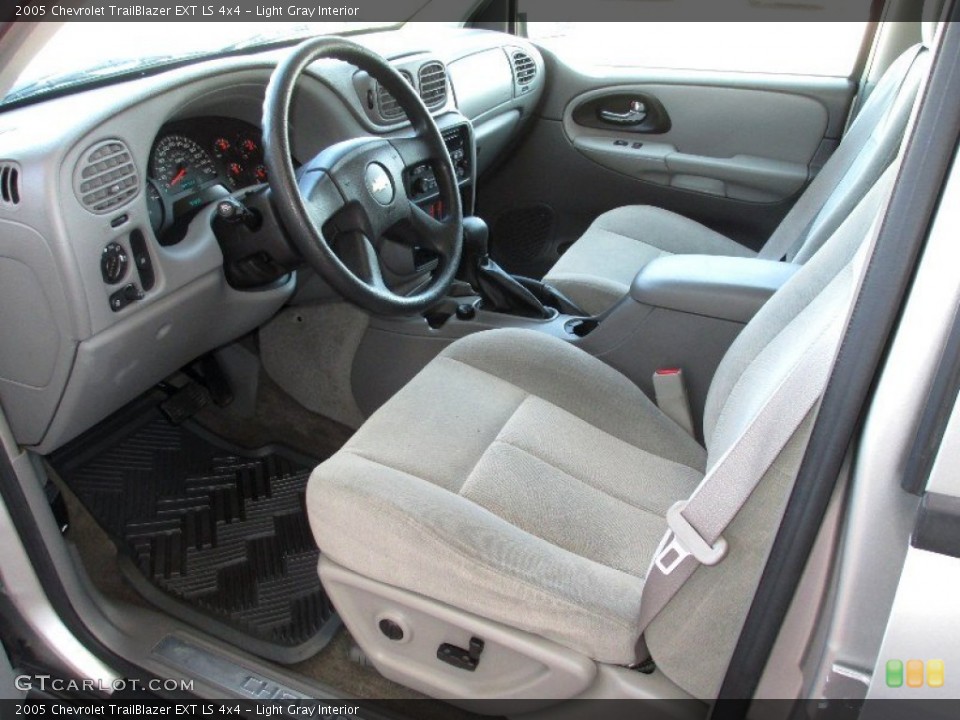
[338,206]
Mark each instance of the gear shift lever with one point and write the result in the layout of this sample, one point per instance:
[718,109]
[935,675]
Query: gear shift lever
[476,236]
[499,290]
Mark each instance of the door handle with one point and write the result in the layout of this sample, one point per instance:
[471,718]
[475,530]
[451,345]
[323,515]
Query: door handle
[634,116]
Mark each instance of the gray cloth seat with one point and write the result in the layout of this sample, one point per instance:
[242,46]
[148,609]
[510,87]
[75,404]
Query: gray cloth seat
[442,471]
[522,480]
[596,271]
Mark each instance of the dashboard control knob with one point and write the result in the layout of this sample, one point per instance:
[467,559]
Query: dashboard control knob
[113,263]
[126,295]
[132,293]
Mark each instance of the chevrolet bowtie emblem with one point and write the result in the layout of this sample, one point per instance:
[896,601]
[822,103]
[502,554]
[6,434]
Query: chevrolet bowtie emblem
[379,184]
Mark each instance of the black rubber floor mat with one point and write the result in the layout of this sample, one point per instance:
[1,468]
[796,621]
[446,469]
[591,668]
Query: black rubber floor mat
[219,534]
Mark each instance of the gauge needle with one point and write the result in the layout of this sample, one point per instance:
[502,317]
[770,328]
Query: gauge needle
[181,174]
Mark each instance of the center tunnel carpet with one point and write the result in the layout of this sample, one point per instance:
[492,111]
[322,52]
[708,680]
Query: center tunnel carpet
[210,533]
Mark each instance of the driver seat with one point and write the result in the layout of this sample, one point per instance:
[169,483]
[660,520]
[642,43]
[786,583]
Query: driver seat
[515,491]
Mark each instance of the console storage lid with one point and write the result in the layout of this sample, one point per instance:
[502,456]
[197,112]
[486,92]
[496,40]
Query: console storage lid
[728,288]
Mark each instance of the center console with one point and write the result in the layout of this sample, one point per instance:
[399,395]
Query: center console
[420,181]
[421,184]
[725,288]
[682,311]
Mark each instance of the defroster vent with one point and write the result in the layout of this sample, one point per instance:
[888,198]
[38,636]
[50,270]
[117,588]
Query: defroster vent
[106,177]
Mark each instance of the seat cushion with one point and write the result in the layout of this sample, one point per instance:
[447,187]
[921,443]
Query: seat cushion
[515,471]
[598,268]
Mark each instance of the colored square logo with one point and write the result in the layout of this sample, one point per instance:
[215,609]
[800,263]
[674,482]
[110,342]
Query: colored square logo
[913,673]
[935,673]
[894,673]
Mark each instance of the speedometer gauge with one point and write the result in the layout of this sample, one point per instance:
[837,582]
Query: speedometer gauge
[179,164]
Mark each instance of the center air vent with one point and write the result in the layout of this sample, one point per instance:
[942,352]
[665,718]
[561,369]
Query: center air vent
[9,183]
[433,84]
[106,177]
[387,105]
[524,68]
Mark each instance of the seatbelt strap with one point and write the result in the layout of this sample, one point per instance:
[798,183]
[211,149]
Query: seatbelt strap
[696,525]
[670,391]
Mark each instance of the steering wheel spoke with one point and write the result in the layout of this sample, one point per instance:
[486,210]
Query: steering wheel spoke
[358,254]
[440,235]
[413,151]
[321,196]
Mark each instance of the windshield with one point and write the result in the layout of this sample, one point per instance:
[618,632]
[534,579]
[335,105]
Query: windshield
[83,52]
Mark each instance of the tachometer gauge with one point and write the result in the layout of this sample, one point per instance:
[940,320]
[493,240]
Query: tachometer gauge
[179,164]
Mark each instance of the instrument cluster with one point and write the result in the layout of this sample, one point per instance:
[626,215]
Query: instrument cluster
[198,161]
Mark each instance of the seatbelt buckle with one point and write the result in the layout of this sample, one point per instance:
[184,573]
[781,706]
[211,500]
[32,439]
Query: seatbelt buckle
[684,541]
[670,391]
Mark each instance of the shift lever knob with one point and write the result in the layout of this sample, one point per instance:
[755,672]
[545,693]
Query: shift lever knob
[475,237]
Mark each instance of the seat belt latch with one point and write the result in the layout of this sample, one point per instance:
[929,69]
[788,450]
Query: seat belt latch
[671,395]
[684,541]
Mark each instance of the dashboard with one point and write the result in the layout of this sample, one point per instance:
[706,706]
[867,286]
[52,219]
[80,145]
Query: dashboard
[112,276]
[195,162]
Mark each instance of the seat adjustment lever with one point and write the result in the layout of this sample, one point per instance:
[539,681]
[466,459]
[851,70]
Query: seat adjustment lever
[460,658]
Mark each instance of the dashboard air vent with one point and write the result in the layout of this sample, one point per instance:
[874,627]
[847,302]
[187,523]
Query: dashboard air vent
[106,177]
[387,105]
[433,84]
[9,183]
[524,68]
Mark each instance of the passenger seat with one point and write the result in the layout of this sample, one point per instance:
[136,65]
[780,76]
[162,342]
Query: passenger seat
[599,267]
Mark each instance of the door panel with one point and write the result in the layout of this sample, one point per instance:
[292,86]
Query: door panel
[730,150]
[744,144]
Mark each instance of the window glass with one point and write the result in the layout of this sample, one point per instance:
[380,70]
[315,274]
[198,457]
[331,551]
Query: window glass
[805,48]
[81,52]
